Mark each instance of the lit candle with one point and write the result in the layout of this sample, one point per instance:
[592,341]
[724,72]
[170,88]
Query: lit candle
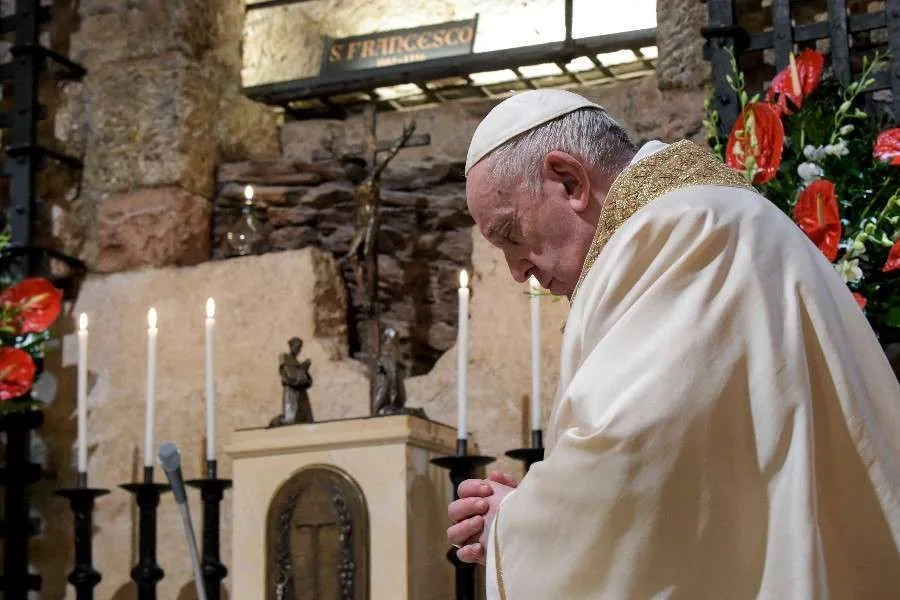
[248,194]
[210,382]
[82,391]
[151,386]
[535,354]
[462,354]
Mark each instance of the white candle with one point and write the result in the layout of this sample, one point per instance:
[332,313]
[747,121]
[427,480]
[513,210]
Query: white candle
[462,354]
[248,194]
[210,382]
[82,391]
[535,354]
[151,386]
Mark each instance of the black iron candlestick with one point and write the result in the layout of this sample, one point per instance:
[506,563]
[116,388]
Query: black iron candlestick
[212,490]
[146,574]
[81,499]
[531,455]
[462,467]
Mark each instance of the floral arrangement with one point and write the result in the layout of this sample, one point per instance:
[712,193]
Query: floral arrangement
[811,149]
[27,310]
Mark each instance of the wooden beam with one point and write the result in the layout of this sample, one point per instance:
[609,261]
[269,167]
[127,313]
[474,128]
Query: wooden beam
[272,4]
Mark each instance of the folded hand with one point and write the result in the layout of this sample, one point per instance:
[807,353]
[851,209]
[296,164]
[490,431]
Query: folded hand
[472,514]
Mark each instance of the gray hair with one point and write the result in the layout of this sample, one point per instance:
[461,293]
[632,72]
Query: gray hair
[588,134]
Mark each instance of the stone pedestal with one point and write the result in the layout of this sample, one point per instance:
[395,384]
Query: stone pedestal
[405,496]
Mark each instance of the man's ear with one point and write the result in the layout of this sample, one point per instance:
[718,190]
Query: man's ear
[567,171]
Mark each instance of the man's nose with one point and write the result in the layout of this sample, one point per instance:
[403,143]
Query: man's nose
[518,267]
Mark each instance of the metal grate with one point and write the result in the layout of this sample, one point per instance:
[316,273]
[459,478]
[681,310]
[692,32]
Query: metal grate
[724,34]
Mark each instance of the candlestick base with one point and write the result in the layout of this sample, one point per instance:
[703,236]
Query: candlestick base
[212,491]
[81,500]
[462,466]
[528,456]
[146,574]
[531,455]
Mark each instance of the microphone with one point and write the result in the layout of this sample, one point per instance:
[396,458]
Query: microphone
[170,460]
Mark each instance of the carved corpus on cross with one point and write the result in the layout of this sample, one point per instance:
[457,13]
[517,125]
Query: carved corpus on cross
[363,254]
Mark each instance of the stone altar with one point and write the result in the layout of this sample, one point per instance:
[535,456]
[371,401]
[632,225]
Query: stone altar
[375,520]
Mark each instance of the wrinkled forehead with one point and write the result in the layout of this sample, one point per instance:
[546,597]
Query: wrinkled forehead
[485,193]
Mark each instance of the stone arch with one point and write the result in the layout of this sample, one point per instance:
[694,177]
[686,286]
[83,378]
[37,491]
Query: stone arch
[317,538]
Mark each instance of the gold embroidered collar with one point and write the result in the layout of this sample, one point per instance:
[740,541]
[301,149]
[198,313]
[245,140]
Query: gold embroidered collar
[678,165]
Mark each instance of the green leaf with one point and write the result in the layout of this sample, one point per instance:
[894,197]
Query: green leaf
[892,317]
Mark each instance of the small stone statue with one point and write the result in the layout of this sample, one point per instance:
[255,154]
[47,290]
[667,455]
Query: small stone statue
[388,389]
[295,380]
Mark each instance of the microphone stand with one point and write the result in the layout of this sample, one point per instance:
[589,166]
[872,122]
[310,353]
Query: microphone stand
[81,499]
[212,491]
[147,573]
[170,460]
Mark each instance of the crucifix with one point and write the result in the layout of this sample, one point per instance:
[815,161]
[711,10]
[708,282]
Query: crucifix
[363,253]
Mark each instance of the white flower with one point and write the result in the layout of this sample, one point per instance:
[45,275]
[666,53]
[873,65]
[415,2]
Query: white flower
[856,249]
[839,149]
[847,129]
[812,153]
[809,171]
[849,270]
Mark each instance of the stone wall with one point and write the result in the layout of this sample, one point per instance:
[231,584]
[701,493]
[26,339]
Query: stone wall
[160,107]
[425,237]
[424,241]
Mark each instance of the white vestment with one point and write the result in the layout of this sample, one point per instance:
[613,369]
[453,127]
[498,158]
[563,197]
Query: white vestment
[726,426]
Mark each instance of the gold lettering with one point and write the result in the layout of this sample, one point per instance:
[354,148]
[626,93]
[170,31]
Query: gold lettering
[438,37]
[403,44]
[335,54]
[466,36]
[352,48]
[368,48]
[423,43]
[386,45]
[451,34]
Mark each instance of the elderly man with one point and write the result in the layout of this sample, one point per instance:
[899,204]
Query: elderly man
[726,424]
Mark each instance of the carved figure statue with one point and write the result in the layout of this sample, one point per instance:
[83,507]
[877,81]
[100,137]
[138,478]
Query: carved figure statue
[389,390]
[295,381]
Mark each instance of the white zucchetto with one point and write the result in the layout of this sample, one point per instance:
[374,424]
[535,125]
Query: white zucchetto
[520,113]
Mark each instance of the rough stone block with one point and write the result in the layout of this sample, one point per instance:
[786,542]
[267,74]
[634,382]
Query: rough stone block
[246,129]
[681,63]
[151,124]
[152,227]
[112,31]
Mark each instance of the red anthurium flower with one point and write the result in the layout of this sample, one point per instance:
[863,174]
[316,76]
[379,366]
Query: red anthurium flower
[756,141]
[860,299]
[893,260]
[35,302]
[809,73]
[16,373]
[887,146]
[817,214]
